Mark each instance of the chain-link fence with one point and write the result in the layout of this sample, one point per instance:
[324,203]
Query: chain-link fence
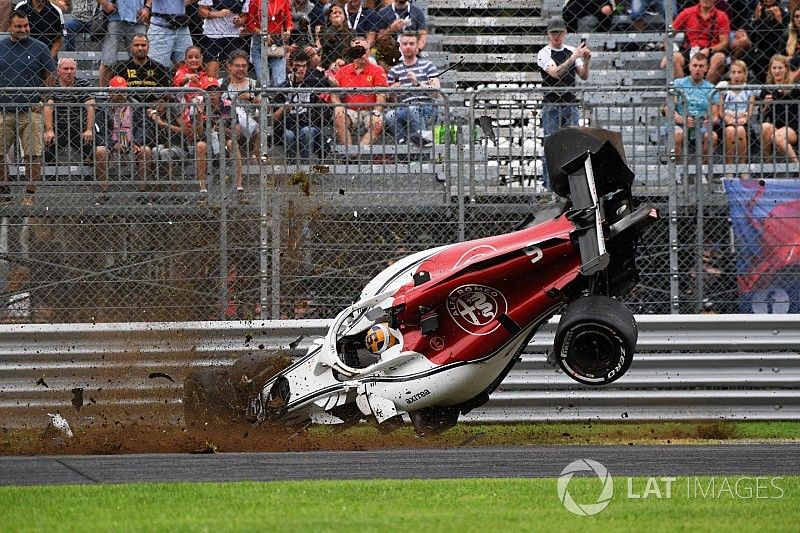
[300,212]
[295,225]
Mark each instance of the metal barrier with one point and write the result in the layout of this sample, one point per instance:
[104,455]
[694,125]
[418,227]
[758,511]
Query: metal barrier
[698,367]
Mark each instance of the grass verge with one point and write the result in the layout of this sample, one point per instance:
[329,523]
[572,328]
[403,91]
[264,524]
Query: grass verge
[702,504]
[145,437]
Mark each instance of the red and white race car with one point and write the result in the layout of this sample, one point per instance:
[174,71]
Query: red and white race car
[434,334]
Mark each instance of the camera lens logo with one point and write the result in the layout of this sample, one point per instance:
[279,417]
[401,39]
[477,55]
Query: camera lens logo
[585,509]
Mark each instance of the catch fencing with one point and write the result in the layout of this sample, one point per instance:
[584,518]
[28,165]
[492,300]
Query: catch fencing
[686,367]
[283,233]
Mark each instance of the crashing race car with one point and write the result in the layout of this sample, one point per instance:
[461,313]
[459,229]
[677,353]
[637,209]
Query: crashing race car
[435,333]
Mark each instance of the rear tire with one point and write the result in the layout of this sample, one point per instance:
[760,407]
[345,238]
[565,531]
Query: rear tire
[595,340]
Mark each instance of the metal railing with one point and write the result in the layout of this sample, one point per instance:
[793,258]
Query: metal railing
[698,367]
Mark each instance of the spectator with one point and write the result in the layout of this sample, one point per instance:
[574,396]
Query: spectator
[362,20]
[78,21]
[243,91]
[5,12]
[302,37]
[413,120]
[301,113]
[698,113]
[191,73]
[708,31]
[737,105]
[69,121]
[401,16]
[560,64]
[168,32]
[766,32]
[359,110]
[195,121]
[126,19]
[46,21]
[126,131]
[646,13]
[792,50]
[24,62]
[168,139]
[279,27]
[335,37]
[142,72]
[220,32]
[588,15]
[779,112]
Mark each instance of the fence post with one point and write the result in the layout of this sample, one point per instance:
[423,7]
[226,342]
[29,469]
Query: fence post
[461,173]
[263,177]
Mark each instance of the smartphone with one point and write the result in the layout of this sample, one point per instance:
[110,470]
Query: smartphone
[583,40]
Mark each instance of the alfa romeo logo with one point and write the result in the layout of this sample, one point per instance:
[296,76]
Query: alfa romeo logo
[475,306]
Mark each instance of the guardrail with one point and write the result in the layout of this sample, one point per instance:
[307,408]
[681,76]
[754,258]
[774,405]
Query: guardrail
[687,367]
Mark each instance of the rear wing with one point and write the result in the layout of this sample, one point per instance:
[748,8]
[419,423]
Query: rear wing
[585,164]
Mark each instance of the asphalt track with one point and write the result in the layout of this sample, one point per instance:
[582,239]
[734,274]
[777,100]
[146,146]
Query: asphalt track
[533,461]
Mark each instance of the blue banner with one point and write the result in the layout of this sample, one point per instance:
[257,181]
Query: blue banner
[765,215]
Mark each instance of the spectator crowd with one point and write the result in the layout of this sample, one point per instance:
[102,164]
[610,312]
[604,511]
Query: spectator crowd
[170,95]
[198,67]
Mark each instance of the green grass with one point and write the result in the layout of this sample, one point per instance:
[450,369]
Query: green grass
[416,505]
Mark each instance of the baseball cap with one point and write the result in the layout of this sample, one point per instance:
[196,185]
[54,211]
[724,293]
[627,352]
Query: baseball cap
[118,82]
[556,24]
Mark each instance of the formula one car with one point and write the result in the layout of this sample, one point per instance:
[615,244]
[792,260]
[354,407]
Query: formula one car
[435,333]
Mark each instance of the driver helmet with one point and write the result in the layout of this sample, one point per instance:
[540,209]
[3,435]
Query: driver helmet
[380,338]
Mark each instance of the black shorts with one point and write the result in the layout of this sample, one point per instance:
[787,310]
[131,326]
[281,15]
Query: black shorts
[221,49]
[55,152]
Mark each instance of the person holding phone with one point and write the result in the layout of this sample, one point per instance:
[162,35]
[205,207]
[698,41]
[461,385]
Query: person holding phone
[560,64]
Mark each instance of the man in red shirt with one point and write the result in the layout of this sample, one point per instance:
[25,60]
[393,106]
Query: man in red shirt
[707,30]
[359,109]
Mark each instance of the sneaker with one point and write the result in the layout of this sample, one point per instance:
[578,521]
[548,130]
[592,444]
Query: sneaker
[27,201]
[427,136]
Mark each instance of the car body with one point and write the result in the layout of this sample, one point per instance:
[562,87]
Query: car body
[435,333]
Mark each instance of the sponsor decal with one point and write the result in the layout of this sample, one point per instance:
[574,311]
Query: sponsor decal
[437,343]
[417,396]
[473,307]
[534,252]
[475,254]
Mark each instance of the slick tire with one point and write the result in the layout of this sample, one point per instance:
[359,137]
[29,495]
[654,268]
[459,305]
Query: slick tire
[595,340]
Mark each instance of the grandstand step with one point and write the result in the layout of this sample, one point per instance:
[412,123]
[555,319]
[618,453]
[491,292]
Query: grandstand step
[494,40]
[445,23]
[499,77]
[626,78]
